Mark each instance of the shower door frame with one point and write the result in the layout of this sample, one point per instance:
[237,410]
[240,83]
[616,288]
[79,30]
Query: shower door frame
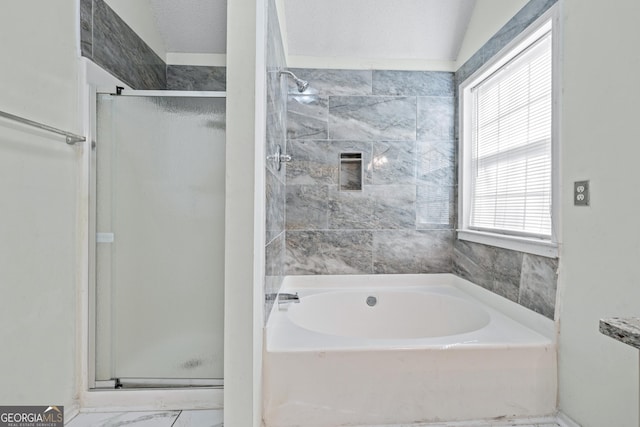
[210,396]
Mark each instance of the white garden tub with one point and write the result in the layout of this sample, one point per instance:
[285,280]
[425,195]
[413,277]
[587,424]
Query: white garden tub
[429,348]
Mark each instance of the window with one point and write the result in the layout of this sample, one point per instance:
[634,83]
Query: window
[508,144]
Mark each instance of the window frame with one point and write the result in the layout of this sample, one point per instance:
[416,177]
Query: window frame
[533,245]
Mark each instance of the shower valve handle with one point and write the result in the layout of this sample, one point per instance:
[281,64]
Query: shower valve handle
[278,158]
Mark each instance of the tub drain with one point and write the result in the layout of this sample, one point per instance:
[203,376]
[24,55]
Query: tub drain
[371,301]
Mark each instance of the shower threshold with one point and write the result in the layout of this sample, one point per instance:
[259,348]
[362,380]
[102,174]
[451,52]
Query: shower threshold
[158,383]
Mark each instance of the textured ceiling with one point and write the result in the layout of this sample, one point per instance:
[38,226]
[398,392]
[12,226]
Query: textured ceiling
[390,29]
[394,29]
[192,26]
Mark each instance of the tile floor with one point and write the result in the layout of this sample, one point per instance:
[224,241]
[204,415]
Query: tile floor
[200,418]
[213,418]
[538,422]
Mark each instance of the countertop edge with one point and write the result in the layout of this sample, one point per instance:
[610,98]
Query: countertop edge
[623,329]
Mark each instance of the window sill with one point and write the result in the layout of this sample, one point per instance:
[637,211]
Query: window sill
[521,244]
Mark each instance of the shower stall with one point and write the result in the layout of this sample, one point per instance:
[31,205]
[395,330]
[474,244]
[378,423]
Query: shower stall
[157,240]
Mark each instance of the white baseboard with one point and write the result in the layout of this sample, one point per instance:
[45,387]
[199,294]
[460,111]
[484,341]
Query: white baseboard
[507,422]
[71,412]
[565,421]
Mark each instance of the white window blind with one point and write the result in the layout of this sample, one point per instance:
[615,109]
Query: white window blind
[511,133]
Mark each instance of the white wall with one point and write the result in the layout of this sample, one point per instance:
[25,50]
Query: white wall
[487,18]
[139,16]
[244,215]
[282,19]
[599,273]
[38,203]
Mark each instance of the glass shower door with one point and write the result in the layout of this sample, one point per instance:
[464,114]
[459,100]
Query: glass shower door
[159,239]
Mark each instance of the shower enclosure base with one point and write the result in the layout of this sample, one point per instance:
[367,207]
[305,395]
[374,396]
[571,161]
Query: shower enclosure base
[151,399]
[146,383]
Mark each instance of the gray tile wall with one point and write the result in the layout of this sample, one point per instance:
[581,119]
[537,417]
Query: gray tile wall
[529,280]
[86,28]
[109,42]
[402,221]
[275,180]
[192,77]
[525,17]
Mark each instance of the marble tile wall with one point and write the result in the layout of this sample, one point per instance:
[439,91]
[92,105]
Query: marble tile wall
[275,180]
[521,20]
[109,42]
[402,221]
[192,77]
[529,280]
[86,28]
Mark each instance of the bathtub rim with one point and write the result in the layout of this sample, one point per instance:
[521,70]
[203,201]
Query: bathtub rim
[529,318]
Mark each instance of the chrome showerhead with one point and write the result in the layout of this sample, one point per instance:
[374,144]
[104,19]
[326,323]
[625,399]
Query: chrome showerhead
[302,84]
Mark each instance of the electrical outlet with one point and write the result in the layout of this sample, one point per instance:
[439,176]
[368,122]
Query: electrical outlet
[581,193]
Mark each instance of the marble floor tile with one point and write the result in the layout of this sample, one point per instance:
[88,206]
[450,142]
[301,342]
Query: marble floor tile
[534,422]
[132,419]
[200,418]
[214,418]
